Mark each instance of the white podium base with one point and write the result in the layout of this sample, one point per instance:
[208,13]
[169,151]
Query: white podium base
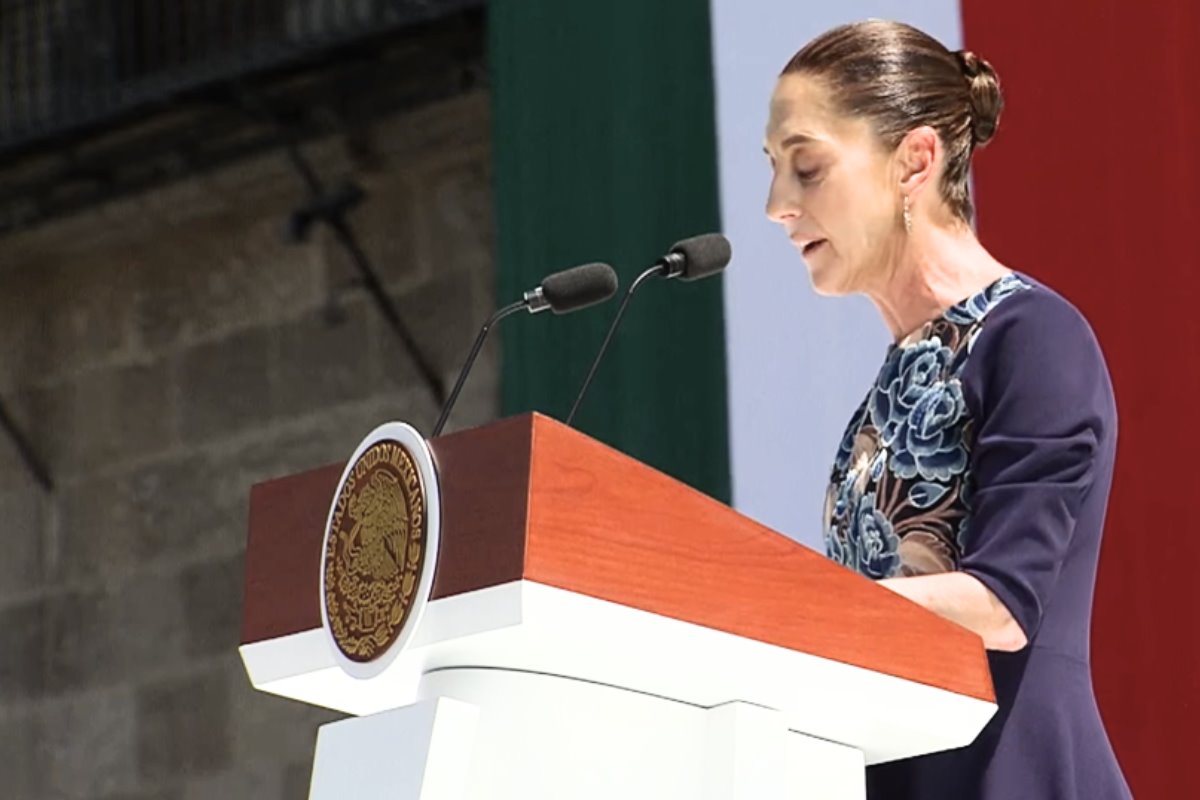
[489,734]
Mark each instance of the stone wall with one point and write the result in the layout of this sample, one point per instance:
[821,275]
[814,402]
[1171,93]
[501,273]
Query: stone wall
[163,354]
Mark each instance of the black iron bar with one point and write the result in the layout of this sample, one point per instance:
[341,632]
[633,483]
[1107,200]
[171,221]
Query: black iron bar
[331,209]
[34,464]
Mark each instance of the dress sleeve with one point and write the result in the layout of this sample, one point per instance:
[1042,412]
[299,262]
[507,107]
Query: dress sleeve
[1038,390]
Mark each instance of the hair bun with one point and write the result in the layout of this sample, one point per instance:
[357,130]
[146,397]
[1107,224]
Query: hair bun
[985,98]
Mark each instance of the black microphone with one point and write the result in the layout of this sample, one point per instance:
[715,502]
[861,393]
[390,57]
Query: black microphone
[689,260]
[572,289]
[563,292]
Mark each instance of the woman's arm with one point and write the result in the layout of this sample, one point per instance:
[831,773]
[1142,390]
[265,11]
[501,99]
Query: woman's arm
[964,599]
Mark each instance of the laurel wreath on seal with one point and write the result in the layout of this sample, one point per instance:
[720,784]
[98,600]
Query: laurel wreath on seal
[372,568]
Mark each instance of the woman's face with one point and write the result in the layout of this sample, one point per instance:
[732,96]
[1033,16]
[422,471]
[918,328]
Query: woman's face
[834,188]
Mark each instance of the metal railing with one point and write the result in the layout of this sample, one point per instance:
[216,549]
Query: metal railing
[65,64]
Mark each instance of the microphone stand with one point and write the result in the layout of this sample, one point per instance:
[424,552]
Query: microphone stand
[507,311]
[657,269]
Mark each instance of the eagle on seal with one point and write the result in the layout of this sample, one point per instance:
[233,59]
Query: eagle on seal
[380,534]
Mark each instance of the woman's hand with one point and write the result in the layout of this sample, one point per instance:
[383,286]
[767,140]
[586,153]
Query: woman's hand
[964,599]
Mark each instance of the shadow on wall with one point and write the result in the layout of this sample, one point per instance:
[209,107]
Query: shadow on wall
[162,354]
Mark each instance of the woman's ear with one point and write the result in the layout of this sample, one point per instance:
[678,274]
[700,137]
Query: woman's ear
[917,157]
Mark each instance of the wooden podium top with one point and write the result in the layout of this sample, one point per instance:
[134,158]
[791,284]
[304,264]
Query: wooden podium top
[528,498]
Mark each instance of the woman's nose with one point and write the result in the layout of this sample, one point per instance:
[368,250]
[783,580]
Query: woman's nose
[781,206]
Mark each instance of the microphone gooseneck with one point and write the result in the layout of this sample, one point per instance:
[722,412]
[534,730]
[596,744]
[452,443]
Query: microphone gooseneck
[507,311]
[688,260]
[612,329]
[562,292]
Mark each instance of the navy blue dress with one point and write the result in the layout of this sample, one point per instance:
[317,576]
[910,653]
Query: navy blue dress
[986,445]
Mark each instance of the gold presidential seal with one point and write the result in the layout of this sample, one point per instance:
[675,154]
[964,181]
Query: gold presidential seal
[374,551]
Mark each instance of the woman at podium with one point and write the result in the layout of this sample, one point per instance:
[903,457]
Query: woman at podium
[974,477]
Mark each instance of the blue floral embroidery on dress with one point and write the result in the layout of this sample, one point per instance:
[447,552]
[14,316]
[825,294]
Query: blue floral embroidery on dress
[877,544]
[931,441]
[902,466]
[845,495]
[976,307]
[966,497]
[907,374]
[847,444]
[925,495]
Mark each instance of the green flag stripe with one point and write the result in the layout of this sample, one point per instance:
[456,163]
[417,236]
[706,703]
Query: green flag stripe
[605,150]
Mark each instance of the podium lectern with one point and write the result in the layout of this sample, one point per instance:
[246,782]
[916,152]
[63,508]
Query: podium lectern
[596,629]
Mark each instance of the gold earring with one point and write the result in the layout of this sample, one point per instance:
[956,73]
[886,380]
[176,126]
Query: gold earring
[907,214]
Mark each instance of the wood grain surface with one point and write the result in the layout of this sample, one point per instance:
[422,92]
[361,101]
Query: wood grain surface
[282,586]
[604,525]
[528,497]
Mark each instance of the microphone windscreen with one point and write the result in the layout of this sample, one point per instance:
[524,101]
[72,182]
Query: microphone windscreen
[579,287]
[703,255]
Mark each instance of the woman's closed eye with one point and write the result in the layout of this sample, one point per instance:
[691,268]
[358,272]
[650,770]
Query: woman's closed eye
[808,175]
